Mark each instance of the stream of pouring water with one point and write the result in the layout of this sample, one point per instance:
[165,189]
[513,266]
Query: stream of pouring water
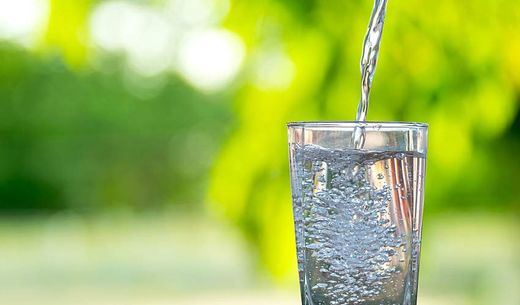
[368,65]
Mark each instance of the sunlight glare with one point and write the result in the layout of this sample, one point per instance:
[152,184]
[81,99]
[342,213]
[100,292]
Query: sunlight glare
[23,20]
[210,59]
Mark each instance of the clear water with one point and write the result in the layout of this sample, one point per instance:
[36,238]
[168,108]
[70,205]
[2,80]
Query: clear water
[354,220]
[368,65]
[369,55]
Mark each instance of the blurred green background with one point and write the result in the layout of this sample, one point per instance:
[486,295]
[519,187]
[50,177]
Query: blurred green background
[143,150]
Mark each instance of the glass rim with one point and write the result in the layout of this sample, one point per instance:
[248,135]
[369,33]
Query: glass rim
[352,124]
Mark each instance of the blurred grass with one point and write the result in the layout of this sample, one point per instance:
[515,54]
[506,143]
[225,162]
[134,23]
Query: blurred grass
[122,251]
[126,258]
[192,259]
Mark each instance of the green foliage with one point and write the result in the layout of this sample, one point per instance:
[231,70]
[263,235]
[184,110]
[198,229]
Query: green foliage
[450,64]
[85,141]
[67,30]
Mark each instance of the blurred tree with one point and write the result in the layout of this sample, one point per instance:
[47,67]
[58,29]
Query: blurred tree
[446,63]
[84,141]
[67,31]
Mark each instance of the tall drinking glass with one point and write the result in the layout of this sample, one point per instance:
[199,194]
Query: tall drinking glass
[358,211]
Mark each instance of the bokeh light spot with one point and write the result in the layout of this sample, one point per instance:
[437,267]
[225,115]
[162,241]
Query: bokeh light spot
[21,20]
[210,59]
[274,70]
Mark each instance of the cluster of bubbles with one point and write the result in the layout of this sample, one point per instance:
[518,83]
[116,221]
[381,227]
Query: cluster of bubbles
[350,249]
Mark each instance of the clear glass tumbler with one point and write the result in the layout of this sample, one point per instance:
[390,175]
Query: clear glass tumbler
[358,211]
